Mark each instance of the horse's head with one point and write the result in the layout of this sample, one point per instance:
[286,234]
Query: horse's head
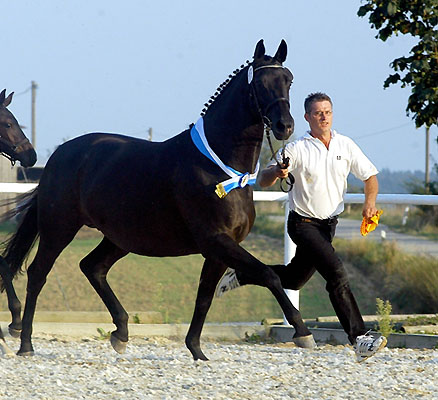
[14,145]
[271,82]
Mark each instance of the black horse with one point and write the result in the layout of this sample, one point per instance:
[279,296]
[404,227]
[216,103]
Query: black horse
[189,194]
[15,146]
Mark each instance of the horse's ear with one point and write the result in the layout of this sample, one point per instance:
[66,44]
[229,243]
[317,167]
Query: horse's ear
[259,50]
[281,53]
[8,99]
[2,96]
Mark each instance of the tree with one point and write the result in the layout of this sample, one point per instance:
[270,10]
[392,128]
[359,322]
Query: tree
[419,70]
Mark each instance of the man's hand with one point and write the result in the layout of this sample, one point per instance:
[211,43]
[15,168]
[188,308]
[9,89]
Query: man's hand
[370,189]
[281,171]
[369,210]
[269,175]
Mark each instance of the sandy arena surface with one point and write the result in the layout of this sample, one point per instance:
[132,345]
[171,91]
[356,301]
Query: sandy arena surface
[158,368]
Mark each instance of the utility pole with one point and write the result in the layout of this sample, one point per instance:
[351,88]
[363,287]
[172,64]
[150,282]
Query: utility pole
[150,134]
[427,178]
[34,87]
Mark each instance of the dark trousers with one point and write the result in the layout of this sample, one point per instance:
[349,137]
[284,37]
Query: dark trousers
[315,252]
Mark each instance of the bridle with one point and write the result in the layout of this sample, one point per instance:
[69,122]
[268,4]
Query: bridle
[12,146]
[268,125]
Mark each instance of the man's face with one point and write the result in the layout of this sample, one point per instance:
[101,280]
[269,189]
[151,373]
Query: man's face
[320,117]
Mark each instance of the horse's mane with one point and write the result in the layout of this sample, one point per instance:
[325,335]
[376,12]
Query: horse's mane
[222,86]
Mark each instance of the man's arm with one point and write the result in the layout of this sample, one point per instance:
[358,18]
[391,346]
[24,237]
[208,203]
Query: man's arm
[371,189]
[269,175]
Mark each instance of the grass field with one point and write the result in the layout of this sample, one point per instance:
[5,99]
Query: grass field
[169,285]
[166,285]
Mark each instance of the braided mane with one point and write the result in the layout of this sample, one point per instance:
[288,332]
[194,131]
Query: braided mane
[222,86]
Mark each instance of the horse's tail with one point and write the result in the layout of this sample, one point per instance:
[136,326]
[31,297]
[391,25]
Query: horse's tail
[18,246]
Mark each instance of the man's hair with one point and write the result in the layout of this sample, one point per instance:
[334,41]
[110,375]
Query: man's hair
[312,98]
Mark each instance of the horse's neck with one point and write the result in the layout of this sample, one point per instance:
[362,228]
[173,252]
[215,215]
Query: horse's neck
[237,146]
[234,132]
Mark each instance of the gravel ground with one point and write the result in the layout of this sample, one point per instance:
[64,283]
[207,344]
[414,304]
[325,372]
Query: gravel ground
[158,368]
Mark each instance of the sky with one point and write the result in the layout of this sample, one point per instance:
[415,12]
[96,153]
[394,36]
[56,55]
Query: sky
[125,67]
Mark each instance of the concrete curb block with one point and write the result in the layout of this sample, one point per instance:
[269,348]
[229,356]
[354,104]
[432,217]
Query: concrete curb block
[210,331]
[145,317]
[339,337]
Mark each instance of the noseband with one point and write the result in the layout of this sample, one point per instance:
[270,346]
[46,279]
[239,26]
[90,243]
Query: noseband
[13,147]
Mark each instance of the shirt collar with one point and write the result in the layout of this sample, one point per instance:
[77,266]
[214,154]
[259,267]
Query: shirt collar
[307,135]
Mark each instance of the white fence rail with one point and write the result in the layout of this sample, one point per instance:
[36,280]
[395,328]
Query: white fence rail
[408,199]
[16,187]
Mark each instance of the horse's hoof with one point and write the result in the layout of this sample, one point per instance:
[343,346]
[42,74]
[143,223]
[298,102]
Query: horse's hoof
[15,333]
[197,353]
[117,344]
[201,357]
[305,342]
[25,353]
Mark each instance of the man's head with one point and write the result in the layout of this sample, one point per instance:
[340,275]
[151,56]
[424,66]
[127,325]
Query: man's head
[318,108]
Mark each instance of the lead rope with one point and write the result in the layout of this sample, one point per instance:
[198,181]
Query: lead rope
[290,180]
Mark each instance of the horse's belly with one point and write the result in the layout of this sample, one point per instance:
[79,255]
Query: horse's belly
[153,244]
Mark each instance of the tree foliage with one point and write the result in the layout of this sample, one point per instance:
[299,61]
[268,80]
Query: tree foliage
[419,70]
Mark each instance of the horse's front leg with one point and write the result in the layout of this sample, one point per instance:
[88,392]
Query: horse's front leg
[14,304]
[224,248]
[210,275]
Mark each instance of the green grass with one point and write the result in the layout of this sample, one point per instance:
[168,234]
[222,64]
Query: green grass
[169,285]
[409,282]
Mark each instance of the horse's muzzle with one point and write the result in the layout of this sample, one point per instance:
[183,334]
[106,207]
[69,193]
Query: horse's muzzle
[27,158]
[283,128]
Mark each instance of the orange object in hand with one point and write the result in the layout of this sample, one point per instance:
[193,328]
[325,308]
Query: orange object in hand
[369,224]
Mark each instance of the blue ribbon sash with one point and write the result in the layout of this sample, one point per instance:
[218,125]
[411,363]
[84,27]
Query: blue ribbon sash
[237,179]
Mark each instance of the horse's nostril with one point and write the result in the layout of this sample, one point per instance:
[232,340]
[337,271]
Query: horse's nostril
[284,127]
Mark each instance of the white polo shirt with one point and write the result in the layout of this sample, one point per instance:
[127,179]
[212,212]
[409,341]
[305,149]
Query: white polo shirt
[321,173]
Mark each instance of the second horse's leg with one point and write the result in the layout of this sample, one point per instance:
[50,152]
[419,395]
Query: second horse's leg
[14,304]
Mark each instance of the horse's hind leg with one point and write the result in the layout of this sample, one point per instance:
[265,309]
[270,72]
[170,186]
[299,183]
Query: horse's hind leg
[36,279]
[3,346]
[210,275]
[14,304]
[54,237]
[95,266]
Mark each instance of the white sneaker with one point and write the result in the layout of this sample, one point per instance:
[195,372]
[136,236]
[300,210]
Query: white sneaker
[228,282]
[367,345]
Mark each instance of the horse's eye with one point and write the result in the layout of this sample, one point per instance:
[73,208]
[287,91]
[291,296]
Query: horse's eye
[8,125]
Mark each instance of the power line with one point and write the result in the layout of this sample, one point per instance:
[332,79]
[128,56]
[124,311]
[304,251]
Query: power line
[382,131]
[23,92]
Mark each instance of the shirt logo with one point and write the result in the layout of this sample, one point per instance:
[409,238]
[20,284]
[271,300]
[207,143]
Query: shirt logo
[338,157]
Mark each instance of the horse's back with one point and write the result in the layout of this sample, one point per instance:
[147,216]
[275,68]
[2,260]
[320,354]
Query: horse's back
[122,186]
